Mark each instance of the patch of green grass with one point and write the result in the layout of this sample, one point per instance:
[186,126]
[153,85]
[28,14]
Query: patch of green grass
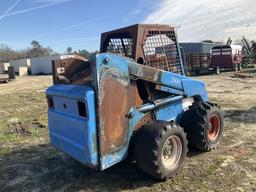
[9,138]
[34,132]
[28,110]
[251,66]
[215,165]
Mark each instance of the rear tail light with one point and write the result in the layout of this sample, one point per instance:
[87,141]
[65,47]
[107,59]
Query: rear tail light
[50,102]
[82,109]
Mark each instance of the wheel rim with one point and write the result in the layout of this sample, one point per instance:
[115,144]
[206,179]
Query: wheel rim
[214,127]
[171,152]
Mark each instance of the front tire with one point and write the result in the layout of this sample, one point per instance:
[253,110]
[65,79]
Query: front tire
[203,123]
[160,149]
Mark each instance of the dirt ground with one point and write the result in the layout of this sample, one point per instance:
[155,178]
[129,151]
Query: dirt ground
[29,163]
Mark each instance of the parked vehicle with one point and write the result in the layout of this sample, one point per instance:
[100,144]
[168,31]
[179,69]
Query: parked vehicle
[227,57]
[132,98]
[5,78]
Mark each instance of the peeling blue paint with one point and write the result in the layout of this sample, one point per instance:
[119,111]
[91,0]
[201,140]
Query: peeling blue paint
[80,137]
[69,132]
[122,153]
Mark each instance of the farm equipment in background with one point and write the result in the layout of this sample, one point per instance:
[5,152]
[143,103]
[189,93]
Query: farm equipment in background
[250,54]
[229,41]
[198,57]
[132,98]
[199,63]
[227,57]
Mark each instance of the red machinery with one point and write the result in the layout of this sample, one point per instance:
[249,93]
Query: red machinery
[227,57]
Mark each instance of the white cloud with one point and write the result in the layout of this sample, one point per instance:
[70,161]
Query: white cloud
[208,19]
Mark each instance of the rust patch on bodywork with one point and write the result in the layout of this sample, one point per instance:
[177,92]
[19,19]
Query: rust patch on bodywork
[151,45]
[75,71]
[113,109]
[135,94]
[147,118]
[115,100]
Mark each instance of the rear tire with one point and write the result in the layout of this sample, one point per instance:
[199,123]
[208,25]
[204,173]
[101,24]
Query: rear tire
[236,67]
[160,149]
[203,123]
[217,70]
[239,67]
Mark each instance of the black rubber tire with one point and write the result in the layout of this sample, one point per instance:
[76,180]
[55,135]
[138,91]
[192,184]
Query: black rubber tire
[236,67]
[196,122]
[239,67]
[148,145]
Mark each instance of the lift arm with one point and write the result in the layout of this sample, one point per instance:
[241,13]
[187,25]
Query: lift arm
[168,82]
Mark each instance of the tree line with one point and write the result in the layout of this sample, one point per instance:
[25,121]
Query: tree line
[83,52]
[35,50]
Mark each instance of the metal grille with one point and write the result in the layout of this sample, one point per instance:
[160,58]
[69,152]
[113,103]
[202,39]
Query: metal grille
[195,61]
[160,51]
[122,46]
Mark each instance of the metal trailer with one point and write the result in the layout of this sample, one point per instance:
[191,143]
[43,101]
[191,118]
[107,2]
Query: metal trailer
[198,58]
[227,57]
[198,47]
[197,62]
[102,110]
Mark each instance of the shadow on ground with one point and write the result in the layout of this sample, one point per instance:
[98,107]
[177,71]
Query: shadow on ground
[246,116]
[42,168]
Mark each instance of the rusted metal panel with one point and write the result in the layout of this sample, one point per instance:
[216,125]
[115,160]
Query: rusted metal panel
[156,76]
[115,98]
[135,93]
[152,45]
[116,35]
[114,104]
[76,71]
[146,119]
[117,95]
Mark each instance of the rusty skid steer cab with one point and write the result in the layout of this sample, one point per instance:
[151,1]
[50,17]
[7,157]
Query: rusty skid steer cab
[133,97]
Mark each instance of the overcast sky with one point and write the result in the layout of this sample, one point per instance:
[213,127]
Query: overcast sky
[79,23]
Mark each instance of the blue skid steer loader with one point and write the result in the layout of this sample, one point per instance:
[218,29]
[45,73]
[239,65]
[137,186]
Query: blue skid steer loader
[132,98]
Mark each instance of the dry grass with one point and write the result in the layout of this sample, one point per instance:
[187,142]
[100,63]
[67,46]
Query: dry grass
[29,163]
